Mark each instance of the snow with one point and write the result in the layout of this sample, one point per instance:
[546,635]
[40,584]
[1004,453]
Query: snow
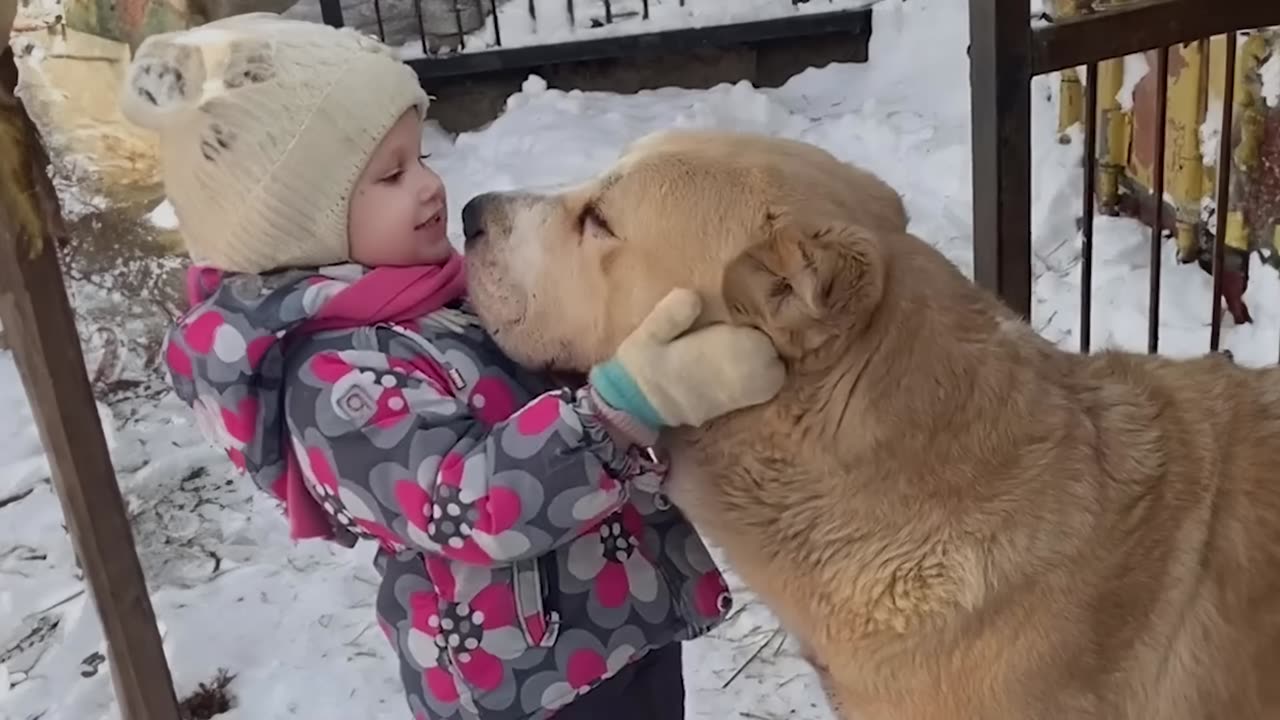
[164,216]
[294,623]
[1135,67]
[1270,72]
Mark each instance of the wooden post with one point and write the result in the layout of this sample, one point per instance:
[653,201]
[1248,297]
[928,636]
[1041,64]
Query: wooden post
[1000,76]
[38,321]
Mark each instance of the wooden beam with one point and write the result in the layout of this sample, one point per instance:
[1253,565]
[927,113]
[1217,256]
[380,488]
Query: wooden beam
[39,323]
[1081,39]
[1000,36]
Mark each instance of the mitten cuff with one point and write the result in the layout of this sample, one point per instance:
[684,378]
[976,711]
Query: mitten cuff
[625,427]
[617,388]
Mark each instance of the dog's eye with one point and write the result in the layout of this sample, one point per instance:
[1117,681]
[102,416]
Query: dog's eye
[779,289]
[591,220]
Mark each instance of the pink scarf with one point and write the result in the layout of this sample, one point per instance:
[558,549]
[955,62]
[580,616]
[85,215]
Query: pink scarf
[384,294]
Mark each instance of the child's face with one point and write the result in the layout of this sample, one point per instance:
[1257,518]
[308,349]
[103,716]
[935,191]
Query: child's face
[398,213]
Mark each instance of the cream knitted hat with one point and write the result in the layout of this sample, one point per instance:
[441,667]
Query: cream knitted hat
[265,123]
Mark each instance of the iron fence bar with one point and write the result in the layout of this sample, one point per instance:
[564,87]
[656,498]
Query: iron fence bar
[331,13]
[1223,194]
[377,13]
[645,6]
[573,14]
[660,42]
[1157,184]
[457,18]
[497,31]
[1086,212]
[1000,77]
[422,29]
[608,12]
[1077,40]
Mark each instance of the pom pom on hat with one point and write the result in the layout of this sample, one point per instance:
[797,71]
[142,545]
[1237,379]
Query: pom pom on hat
[265,123]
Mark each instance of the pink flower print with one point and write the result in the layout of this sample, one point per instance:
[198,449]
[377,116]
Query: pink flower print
[225,429]
[390,406]
[209,332]
[539,416]
[481,634]
[257,348]
[474,620]
[200,331]
[329,367]
[711,597]
[611,558]
[584,667]
[426,646]
[491,401]
[467,526]
[424,369]
[705,585]
[341,503]
[178,362]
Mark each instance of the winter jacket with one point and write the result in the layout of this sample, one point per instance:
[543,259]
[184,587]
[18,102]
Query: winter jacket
[522,563]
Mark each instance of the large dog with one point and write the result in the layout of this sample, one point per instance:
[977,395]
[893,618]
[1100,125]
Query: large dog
[956,518]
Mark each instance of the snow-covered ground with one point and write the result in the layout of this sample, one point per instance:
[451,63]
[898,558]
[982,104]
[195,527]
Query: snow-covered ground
[294,623]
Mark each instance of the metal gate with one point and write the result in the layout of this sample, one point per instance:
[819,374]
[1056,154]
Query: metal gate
[1007,51]
[442,39]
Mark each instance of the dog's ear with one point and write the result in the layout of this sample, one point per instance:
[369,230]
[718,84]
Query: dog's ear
[804,285]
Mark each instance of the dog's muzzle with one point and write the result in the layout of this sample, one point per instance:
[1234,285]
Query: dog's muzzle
[473,218]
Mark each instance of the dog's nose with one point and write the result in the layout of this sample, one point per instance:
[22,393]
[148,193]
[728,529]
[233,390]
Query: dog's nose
[473,217]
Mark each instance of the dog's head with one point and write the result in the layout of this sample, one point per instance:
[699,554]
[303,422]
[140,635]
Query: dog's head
[772,233]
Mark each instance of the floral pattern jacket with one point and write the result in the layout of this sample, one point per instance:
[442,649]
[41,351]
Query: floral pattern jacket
[523,561]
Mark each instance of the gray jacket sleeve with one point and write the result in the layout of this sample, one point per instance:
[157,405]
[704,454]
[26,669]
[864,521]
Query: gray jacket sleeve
[390,447]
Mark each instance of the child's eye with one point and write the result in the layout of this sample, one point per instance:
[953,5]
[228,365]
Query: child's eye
[393,177]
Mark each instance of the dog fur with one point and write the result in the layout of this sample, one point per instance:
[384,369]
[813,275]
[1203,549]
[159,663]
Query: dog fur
[956,518]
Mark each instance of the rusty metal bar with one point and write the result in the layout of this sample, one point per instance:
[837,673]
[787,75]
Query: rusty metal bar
[1077,40]
[1086,212]
[1157,190]
[1221,210]
[1000,77]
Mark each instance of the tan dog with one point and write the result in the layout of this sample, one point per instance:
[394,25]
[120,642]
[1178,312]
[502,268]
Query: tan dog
[958,519]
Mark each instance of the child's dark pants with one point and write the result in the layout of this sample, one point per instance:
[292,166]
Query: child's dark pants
[651,689]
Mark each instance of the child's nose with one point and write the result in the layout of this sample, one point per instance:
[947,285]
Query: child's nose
[431,187]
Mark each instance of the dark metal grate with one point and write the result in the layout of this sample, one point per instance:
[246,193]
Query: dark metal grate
[1006,55]
[445,27]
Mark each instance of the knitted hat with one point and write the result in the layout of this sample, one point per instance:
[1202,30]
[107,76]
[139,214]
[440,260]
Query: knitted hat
[265,124]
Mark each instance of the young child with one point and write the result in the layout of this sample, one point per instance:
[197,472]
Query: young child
[528,567]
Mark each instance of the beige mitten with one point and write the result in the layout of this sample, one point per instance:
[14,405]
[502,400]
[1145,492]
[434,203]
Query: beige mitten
[664,378]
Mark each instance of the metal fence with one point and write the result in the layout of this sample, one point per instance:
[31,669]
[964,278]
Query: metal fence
[454,38]
[1007,51]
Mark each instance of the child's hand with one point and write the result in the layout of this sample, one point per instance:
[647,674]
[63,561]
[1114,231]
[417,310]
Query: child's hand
[666,379]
